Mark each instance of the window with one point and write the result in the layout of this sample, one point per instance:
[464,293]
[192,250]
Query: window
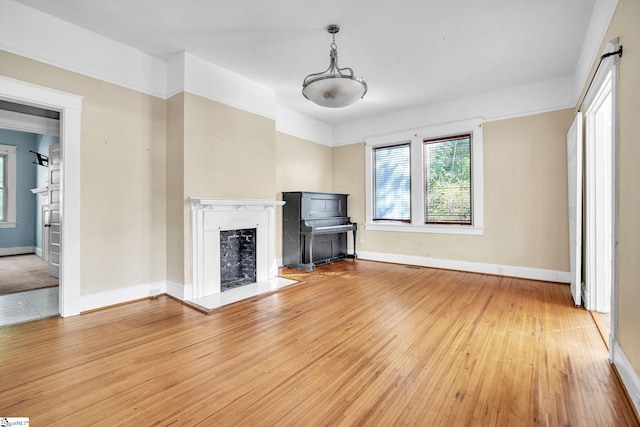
[447,177]
[7,186]
[392,183]
[3,179]
[426,180]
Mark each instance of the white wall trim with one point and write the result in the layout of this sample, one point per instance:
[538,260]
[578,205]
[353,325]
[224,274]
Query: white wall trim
[18,250]
[176,290]
[472,267]
[218,84]
[121,295]
[298,125]
[29,123]
[531,98]
[601,16]
[175,75]
[37,251]
[425,228]
[36,35]
[628,375]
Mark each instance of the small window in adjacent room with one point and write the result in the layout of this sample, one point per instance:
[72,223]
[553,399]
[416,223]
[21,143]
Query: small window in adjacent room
[447,178]
[3,192]
[392,183]
[7,186]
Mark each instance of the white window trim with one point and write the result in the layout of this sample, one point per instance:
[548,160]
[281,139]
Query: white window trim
[416,137]
[10,151]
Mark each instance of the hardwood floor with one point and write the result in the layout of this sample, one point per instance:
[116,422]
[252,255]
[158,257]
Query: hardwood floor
[355,343]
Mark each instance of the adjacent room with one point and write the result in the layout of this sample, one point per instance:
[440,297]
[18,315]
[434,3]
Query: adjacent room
[29,259]
[200,226]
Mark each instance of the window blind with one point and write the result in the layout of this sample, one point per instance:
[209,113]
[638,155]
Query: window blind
[392,182]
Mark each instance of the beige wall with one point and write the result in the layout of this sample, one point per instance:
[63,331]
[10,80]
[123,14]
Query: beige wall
[122,172]
[228,153]
[348,178]
[175,189]
[526,191]
[626,25]
[525,203]
[301,166]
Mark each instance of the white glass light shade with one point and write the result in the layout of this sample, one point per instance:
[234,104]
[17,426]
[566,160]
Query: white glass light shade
[334,91]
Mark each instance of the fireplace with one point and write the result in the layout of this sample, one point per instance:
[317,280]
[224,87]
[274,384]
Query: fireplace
[237,258]
[211,220]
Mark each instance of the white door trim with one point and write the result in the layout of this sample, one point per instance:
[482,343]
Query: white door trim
[70,108]
[599,192]
[609,68]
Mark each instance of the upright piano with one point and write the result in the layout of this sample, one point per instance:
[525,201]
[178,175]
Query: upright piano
[314,229]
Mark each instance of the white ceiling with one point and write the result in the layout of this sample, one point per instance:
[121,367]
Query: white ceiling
[410,52]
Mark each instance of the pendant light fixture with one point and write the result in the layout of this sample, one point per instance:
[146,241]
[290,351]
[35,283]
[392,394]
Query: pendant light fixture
[335,87]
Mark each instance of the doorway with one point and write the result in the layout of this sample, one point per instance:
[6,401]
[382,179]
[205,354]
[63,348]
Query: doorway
[600,176]
[599,198]
[69,106]
[28,289]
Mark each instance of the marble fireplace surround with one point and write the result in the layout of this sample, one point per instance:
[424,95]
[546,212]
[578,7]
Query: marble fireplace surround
[209,217]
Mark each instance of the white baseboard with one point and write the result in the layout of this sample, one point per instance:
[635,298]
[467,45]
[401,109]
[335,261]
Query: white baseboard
[185,292]
[473,267]
[19,250]
[628,375]
[176,290]
[121,295]
[38,251]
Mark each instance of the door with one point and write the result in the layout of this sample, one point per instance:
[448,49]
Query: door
[574,168]
[54,211]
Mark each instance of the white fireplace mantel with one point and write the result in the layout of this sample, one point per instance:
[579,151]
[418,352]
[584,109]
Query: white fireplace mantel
[204,202]
[210,216]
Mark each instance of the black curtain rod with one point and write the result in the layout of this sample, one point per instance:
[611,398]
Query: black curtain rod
[606,55]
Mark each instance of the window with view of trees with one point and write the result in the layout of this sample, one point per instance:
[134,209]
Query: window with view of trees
[426,180]
[447,177]
[392,182]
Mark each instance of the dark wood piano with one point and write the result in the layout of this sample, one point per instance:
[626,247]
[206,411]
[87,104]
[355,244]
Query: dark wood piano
[314,229]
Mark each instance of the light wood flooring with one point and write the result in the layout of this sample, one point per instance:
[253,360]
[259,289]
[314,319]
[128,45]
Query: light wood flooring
[354,343]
